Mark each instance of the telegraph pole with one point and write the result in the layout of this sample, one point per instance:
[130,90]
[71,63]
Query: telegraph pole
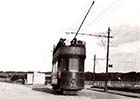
[94,68]
[107,58]
[107,53]
[94,63]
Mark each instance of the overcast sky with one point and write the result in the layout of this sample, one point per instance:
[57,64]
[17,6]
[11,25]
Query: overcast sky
[30,28]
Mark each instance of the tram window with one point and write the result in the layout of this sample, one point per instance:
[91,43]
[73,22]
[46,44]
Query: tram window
[55,65]
[81,65]
[74,64]
[64,64]
[54,73]
[59,64]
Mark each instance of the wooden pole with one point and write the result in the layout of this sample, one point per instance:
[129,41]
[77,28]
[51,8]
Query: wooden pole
[107,58]
[94,69]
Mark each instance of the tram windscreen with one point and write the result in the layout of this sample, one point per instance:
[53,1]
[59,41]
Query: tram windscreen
[74,64]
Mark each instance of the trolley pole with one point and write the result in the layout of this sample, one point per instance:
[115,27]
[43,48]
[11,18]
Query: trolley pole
[83,20]
[107,58]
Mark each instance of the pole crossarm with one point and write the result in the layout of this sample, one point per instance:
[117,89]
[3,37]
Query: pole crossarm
[89,34]
[100,58]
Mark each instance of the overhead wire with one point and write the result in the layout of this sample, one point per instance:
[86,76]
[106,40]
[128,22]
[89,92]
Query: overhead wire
[102,13]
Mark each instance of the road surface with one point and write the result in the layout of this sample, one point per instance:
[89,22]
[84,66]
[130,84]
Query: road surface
[17,91]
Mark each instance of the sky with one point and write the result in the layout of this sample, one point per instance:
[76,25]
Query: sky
[30,28]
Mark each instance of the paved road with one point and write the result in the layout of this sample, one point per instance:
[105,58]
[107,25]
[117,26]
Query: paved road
[16,91]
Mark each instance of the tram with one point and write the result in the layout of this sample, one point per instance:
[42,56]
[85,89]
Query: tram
[68,66]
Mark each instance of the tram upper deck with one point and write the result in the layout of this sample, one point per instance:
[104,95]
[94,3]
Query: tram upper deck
[76,48]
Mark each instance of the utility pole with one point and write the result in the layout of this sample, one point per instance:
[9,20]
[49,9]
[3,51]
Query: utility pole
[94,63]
[107,53]
[94,68]
[107,58]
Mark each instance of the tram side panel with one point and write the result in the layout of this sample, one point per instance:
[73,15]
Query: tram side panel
[68,73]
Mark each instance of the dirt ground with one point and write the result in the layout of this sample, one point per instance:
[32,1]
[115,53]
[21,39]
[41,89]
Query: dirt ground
[17,91]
